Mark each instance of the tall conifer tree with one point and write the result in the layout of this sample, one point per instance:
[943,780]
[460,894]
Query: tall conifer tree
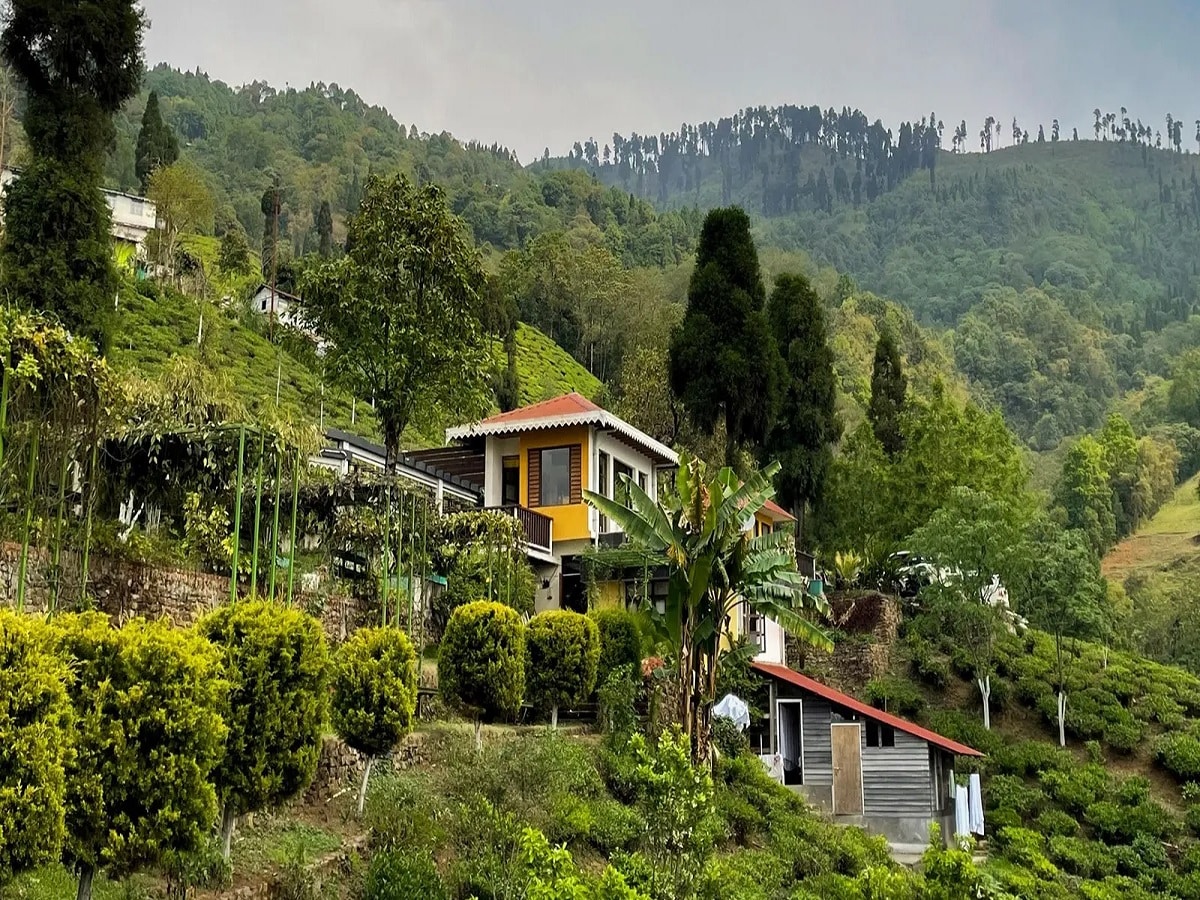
[888,387]
[724,363]
[78,63]
[807,425]
[156,144]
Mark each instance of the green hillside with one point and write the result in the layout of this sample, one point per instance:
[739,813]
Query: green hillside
[546,370]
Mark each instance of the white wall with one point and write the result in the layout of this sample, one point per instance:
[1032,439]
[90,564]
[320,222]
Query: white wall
[621,452]
[495,449]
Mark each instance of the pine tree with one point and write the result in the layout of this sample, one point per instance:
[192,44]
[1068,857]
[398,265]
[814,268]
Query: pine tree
[724,364]
[156,144]
[78,63]
[888,387]
[325,229]
[807,426]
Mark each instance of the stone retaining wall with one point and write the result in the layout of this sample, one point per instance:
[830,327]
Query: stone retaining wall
[870,623]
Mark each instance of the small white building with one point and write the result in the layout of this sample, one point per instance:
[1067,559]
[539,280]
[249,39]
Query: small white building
[133,217]
[284,306]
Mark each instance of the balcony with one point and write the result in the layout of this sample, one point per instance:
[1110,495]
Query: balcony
[538,528]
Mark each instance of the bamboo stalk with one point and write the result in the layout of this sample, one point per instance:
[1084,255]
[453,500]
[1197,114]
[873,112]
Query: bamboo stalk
[87,521]
[258,479]
[56,559]
[237,515]
[387,527]
[275,524]
[24,566]
[292,545]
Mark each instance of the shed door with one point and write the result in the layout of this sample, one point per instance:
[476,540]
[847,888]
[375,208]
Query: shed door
[847,768]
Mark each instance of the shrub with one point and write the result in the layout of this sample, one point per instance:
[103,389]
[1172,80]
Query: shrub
[34,730]
[374,694]
[403,876]
[473,574]
[728,738]
[1011,792]
[1124,734]
[895,695]
[138,790]
[1056,822]
[1088,859]
[1179,753]
[614,826]
[1030,758]
[278,667]
[401,815]
[620,640]
[562,649]
[617,714]
[481,664]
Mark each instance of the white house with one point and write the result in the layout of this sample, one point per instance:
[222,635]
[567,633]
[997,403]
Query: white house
[133,217]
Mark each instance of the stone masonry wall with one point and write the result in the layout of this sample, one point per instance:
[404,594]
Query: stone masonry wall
[869,623]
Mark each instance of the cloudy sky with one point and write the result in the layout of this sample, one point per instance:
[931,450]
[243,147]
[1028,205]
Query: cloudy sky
[535,74]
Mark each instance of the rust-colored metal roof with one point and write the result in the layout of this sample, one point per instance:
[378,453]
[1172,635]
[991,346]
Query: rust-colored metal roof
[778,512]
[791,676]
[566,405]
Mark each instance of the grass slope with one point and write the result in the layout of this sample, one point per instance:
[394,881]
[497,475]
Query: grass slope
[1166,544]
[546,370]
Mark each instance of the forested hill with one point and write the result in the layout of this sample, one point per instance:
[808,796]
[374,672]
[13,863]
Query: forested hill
[322,142]
[1067,268]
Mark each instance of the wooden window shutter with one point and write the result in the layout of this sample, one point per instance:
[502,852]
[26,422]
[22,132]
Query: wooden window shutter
[576,473]
[535,478]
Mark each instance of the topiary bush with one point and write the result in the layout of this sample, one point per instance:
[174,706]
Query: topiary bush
[35,720]
[277,664]
[562,649]
[481,663]
[374,694]
[620,640]
[148,733]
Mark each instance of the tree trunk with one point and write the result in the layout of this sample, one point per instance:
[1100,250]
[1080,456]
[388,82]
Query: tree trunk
[985,694]
[362,788]
[479,735]
[87,873]
[228,821]
[554,717]
[1062,718]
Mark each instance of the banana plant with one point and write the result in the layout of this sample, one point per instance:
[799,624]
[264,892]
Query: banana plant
[704,530]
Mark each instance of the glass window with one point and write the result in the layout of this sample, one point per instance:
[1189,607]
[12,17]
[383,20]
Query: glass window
[620,487]
[556,477]
[642,482]
[602,486]
[510,482]
[879,735]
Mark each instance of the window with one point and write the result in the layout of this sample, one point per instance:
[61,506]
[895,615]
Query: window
[658,594]
[555,477]
[620,487]
[510,482]
[879,735]
[642,481]
[602,488]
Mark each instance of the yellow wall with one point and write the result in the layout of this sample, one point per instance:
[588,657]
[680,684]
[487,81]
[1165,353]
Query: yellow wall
[610,595]
[570,520]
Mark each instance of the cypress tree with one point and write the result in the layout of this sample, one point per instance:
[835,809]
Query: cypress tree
[78,63]
[325,229]
[807,425]
[156,144]
[888,386]
[724,363]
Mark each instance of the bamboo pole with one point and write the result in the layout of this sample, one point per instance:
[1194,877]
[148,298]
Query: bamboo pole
[3,410]
[24,566]
[262,447]
[387,527]
[412,586]
[275,524]
[56,559]
[292,544]
[87,520]
[237,515]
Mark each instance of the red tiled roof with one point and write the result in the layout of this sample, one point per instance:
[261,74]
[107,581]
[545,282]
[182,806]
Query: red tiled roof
[567,405]
[791,676]
[778,511]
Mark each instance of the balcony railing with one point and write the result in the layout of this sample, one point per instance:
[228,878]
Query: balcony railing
[538,528]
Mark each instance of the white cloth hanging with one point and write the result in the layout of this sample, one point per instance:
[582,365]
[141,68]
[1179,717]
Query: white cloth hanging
[962,812]
[773,763]
[735,710]
[975,791]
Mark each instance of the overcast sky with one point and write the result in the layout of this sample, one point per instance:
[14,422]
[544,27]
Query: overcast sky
[535,74]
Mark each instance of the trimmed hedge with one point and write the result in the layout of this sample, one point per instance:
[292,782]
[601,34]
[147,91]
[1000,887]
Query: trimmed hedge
[481,663]
[35,720]
[374,689]
[562,649]
[620,640]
